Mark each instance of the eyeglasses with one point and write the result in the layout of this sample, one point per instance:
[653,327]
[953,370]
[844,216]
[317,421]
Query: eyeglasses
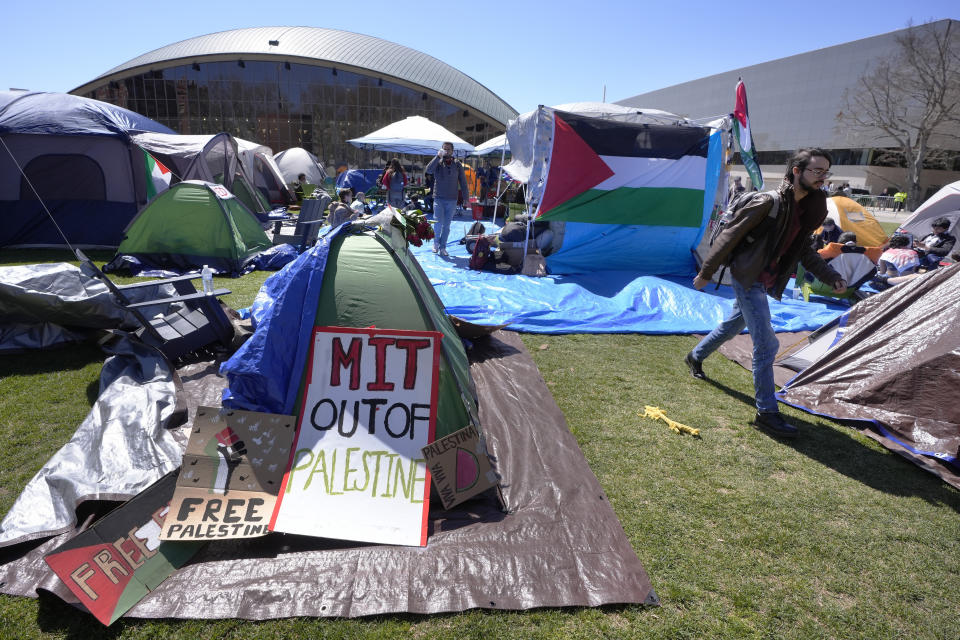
[820,173]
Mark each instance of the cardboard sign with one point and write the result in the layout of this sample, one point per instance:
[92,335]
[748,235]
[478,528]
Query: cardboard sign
[369,406]
[231,474]
[459,466]
[111,566]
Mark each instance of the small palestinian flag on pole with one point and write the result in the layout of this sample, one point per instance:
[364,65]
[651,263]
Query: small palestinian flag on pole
[158,176]
[741,130]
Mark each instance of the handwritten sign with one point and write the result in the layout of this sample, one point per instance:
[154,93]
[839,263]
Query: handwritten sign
[369,406]
[459,466]
[231,474]
[111,566]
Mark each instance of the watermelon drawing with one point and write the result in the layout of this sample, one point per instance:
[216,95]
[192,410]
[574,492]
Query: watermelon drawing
[468,472]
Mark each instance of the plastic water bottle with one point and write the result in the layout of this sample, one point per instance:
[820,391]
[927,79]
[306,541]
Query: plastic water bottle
[206,276]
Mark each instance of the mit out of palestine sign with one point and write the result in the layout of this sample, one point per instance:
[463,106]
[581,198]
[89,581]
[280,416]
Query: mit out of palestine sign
[369,406]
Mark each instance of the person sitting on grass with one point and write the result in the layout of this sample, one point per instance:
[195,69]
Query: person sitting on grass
[897,261]
[935,245]
[847,243]
[340,211]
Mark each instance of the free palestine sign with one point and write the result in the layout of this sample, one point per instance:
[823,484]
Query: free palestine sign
[369,406]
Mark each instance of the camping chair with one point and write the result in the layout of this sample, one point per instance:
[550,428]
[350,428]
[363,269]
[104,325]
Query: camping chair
[197,321]
[855,268]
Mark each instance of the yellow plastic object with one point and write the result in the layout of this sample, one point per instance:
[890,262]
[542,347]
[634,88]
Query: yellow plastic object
[656,413]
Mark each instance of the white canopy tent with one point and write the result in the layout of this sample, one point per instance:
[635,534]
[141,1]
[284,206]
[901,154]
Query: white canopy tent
[497,144]
[413,135]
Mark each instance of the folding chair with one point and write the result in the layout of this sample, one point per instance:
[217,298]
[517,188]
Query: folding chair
[190,321]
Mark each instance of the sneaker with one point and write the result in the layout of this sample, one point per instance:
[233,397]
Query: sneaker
[696,367]
[775,424]
[443,252]
[435,248]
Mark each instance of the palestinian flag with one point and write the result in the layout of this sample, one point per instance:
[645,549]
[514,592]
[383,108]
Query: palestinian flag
[741,130]
[158,176]
[609,172]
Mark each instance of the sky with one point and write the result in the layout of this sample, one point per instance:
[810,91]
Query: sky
[528,53]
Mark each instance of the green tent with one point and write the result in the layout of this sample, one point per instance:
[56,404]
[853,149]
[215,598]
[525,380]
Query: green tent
[353,277]
[371,279]
[192,224]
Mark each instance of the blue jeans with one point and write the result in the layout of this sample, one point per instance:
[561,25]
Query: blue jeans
[752,311]
[443,211]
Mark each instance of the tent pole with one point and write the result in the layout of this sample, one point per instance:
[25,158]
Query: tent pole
[496,200]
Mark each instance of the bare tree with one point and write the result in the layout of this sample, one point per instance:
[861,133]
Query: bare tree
[910,103]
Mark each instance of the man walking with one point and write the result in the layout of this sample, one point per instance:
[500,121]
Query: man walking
[449,189]
[762,252]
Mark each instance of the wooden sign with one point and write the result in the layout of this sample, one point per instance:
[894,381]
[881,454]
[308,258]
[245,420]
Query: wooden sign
[459,466]
[369,406]
[112,565]
[231,474]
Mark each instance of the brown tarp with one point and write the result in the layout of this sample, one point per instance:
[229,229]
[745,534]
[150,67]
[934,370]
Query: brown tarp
[559,542]
[898,365]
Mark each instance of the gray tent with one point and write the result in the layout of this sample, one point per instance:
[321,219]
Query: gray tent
[896,365]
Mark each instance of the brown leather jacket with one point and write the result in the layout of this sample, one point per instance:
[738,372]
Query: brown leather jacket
[751,241]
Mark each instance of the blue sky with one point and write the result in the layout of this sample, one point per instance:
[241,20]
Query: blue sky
[529,53]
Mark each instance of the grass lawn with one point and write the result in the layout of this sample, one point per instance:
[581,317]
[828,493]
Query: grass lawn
[830,536]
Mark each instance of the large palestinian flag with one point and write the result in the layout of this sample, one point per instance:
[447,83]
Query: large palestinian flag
[608,172]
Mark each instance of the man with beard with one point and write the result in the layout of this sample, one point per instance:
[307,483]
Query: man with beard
[762,251]
[449,190]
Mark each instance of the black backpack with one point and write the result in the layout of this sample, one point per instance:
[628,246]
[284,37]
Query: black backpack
[734,208]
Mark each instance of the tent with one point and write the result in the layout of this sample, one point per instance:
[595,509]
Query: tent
[943,204]
[414,135]
[213,158]
[194,223]
[360,180]
[258,164]
[349,279]
[294,161]
[77,154]
[851,216]
[497,144]
[631,196]
[895,361]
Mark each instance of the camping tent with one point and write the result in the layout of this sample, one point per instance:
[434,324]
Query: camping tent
[414,135]
[897,364]
[943,204]
[851,216]
[194,223]
[632,196]
[213,158]
[349,279]
[77,154]
[294,161]
[258,164]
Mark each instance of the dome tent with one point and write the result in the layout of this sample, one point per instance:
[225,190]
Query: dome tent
[194,223]
[76,153]
[351,278]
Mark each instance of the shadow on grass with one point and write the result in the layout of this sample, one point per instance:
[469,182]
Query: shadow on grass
[833,446]
[9,257]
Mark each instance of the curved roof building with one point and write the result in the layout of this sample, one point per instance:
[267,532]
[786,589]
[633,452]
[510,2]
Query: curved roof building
[299,86]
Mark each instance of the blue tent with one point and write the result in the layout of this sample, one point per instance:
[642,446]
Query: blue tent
[358,179]
[76,154]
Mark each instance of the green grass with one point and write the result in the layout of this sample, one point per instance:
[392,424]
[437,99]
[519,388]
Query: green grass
[830,536]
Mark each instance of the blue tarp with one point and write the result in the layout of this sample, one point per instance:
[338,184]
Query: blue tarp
[598,302]
[260,372]
[358,179]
